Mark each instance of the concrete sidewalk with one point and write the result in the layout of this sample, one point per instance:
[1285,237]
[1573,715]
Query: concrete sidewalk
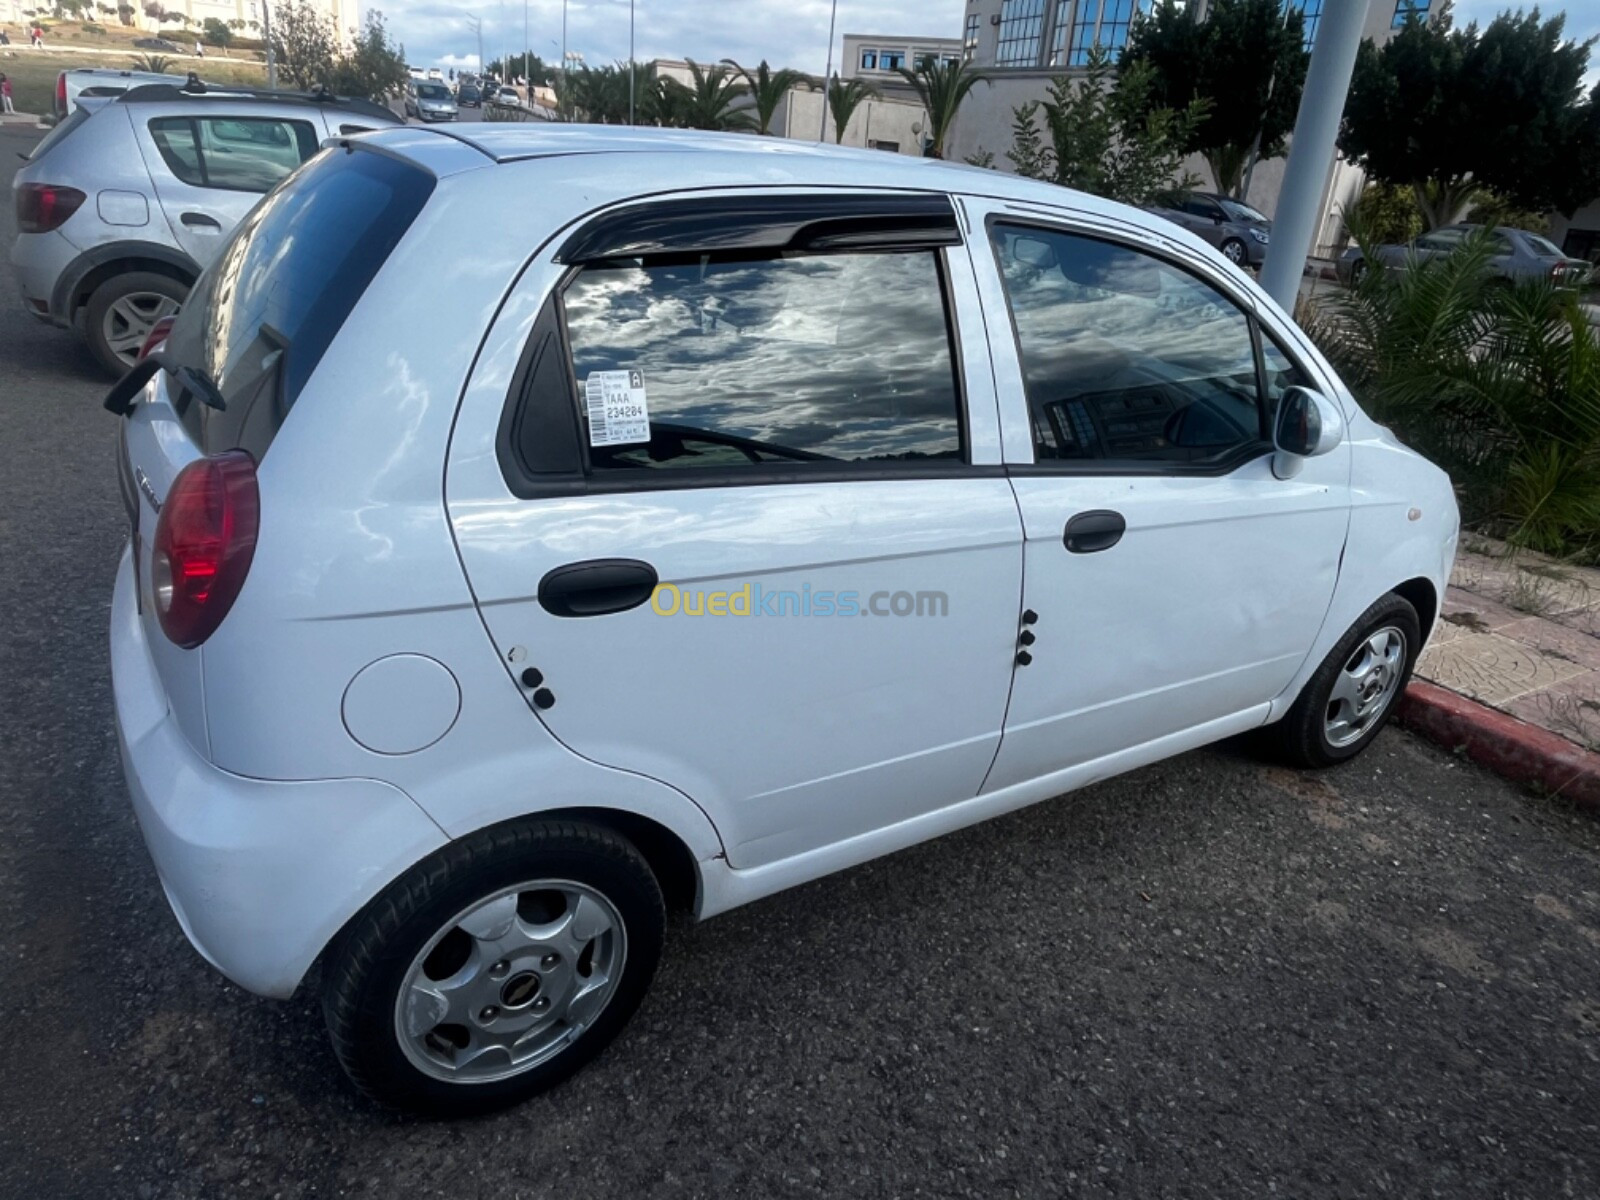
[1521,633]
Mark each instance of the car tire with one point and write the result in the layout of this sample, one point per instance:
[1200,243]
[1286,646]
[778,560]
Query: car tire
[1355,690]
[409,959]
[1358,272]
[121,311]
[1234,251]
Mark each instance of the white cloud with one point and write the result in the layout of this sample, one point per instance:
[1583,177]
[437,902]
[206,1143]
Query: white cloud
[789,33]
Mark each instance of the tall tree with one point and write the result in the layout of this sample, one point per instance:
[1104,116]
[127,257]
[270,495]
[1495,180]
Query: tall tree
[1447,112]
[844,97]
[377,66]
[1105,138]
[708,102]
[941,87]
[303,41]
[768,88]
[1245,59]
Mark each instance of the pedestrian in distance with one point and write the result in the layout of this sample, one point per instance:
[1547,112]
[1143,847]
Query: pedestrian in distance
[38,37]
[199,50]
[5,94]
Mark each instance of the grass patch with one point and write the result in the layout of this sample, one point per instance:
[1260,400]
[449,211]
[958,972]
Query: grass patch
[33,72]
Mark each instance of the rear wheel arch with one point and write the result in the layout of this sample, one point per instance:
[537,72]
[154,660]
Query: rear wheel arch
[79,283]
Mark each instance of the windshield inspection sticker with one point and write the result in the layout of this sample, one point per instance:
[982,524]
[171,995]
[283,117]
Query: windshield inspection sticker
[617,411]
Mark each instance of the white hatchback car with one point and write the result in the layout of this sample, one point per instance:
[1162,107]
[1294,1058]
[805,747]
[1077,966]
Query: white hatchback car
[767,508]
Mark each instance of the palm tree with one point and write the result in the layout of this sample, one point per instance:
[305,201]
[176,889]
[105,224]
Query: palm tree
[708,103]
[844,97]
[768,88]
[941,87]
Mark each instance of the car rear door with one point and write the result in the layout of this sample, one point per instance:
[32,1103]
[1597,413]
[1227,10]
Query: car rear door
[1174,584]
[211,162]
[779,408]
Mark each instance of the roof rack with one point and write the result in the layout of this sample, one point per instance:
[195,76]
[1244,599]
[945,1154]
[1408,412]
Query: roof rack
[322,98]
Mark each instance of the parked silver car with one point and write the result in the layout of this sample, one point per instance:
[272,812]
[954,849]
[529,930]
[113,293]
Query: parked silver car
[429,100]
[100,81]
[1232,226]
[127,199]
[1517,255]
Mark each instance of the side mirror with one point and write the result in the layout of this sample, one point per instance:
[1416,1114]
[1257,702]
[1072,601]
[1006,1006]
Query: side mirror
[1308,424]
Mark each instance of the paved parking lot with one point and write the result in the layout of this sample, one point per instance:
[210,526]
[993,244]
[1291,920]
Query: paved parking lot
[1210,978]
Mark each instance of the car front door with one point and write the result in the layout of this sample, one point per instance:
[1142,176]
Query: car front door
[744,526]
[211,167]
[1174,584]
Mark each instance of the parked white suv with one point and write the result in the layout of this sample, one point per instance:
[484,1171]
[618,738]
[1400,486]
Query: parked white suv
[768,508]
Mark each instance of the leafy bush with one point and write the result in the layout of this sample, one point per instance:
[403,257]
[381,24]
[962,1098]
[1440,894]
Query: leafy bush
[1108,139]
[1389,213]
[1498,384]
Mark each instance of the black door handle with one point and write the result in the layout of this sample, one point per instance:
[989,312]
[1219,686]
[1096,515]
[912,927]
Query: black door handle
[1092,531]
[597,587]
[196,220]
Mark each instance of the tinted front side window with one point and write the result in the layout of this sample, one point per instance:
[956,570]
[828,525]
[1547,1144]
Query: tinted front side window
[263,314]
[1127,358]
[832,358]
[241,154]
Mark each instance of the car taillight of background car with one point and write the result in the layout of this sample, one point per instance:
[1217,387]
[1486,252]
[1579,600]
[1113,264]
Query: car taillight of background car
[42,207]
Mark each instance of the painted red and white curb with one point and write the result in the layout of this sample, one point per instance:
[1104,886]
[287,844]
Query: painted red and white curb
[1513,749]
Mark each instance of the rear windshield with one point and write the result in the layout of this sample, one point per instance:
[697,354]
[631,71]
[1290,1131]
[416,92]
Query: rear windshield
[59,134]
[263,314]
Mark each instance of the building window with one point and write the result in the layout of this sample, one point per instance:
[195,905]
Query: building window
[1101,23]
[1310,17]
[1021,24]
[869,60]
[1404,10]
[891,60]
[969,44]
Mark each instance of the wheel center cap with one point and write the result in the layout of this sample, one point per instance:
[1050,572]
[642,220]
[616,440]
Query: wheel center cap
[520,990]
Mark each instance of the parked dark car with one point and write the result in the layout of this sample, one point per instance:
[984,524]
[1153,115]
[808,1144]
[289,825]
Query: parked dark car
[468,96]
[1232,226]
[161,44]
[1517,255]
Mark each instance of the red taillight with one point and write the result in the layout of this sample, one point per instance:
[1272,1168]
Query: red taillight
[42,207]
[157,335]
[205,539]
[61,95]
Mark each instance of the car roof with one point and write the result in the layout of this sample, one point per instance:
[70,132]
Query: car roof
[166,93]
[711,156]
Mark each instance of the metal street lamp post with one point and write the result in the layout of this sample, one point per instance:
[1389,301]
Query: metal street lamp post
[827,76]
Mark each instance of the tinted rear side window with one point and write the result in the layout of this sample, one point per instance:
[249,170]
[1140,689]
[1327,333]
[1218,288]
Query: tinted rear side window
[263,314]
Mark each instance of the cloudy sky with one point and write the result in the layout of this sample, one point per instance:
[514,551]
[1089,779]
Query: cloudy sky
[790,33]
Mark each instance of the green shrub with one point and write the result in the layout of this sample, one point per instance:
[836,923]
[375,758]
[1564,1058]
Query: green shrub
[1498,384]
[1389,213]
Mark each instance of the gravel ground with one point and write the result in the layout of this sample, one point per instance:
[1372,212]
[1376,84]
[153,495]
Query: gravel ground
[1209,978]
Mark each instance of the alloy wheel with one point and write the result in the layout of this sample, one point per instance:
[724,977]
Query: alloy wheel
[511,981]
[129,319]
[1365,686]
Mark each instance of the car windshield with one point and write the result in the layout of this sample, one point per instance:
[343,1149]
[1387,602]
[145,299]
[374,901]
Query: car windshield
[1239,211]
[433,91]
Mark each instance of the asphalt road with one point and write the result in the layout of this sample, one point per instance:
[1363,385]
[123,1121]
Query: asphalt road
[1211,978]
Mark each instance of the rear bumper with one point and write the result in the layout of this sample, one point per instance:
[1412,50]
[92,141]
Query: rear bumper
[39,260]
[260,874]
